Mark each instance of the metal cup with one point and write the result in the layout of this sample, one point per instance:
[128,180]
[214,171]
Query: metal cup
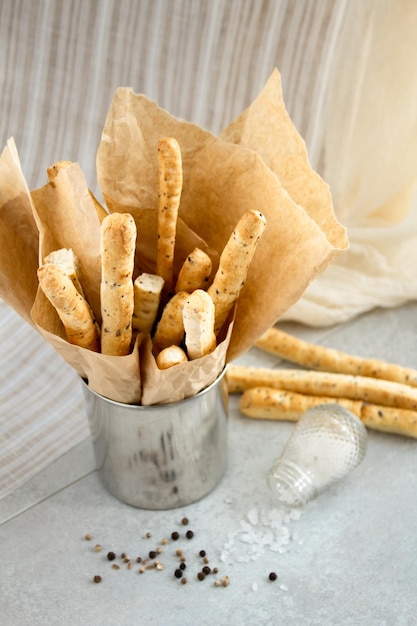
[161,456]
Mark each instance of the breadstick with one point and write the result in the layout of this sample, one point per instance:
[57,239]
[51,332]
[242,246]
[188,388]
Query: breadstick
[147,295]
[67,261]
[363,388]
[234,264]
[195,272]
[118,239]
[198,314]
[170,328]
[276,404]
[72,308]
[279,404]
[276,341]
[168,357]
[169,195]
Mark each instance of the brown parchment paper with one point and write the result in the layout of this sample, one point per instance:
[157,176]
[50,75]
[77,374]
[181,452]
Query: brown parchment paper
[19,237]
[223,178]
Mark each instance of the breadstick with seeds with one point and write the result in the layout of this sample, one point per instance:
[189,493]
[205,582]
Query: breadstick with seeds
[118,241]
[67,261]
[363,388]
[170,328]
[276,404]
[168,357]
[169,194]
[72,308]
[234,264]
[147,296]
[276,341]
[198,313]
[195,272]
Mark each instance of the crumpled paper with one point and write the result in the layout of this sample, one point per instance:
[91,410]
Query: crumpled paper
[259,162]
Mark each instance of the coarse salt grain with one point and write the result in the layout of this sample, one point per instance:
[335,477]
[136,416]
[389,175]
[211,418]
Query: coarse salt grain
[259,531]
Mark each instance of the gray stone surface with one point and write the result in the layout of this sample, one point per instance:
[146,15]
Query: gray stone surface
[347,558]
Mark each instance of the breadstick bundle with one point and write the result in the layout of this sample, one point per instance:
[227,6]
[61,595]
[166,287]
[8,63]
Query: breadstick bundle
[201,243]
[183,324]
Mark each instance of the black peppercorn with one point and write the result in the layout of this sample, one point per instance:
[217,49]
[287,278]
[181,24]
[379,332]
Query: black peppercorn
[178,573]
[111,556]
[202,553]
[97,579]
[272,576]
[175,535]
[206,569]
[183,565]
[189,534]
[152,554]
[201,575]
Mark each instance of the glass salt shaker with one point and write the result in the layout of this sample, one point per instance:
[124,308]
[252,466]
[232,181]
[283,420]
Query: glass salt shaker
[326,444]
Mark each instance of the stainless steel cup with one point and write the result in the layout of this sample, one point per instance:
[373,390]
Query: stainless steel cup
[160,457]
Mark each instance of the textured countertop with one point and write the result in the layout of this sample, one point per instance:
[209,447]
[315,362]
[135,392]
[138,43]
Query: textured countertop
[347,558]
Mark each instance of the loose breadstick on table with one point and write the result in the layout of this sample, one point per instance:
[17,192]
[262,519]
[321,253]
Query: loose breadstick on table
[67,261]
[170,328]
[279,404]
[276,341]
[363,388]
[147,296]
[169,195]
[276,404]
[234,264]
[72,308]
[198,314]
[118,240]
[195,272]
[168,357]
